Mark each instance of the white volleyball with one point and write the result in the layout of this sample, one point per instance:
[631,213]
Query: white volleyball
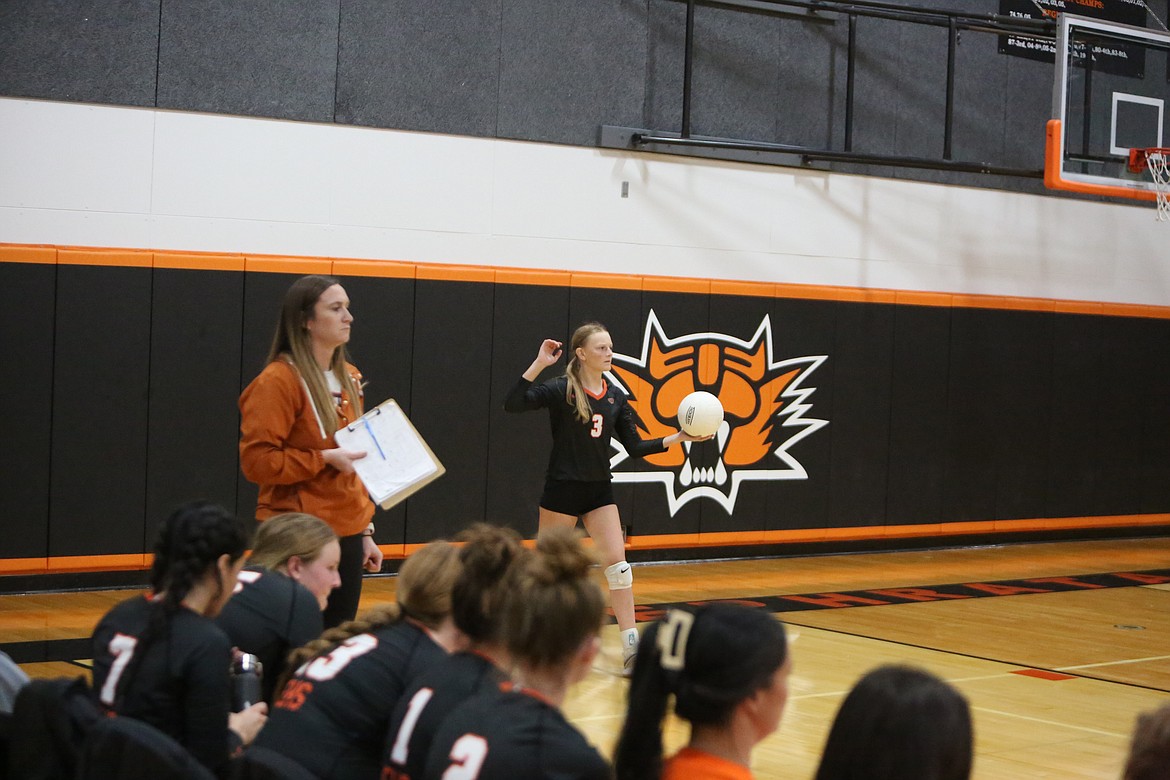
[700,414]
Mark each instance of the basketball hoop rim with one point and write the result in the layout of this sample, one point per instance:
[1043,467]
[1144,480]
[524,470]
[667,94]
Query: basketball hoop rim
[1139,156]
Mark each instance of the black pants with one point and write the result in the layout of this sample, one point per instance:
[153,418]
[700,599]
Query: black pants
[343,601]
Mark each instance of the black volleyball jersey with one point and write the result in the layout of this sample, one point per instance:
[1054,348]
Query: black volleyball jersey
[427,703]
[333,714]
[180,683]
[510,733]
[581,450]
[268,615]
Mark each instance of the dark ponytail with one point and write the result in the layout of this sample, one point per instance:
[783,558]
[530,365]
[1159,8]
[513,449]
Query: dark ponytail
[189,542]
[710,658]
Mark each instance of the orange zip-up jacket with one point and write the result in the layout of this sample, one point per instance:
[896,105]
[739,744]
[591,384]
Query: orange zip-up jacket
[281,441]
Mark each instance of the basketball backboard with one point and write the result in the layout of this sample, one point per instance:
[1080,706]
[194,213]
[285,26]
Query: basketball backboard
[1111,92]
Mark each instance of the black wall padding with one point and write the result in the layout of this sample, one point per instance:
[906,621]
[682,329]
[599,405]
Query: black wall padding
[918,420]
[130,377]
[451,402]
[861,364]
[1078,389]
[194,383]
[26,392]
[801,329]
[382,347]
[263,296]
[394,53]
[564,65]
[974,373]
[250,58]
[545,70]
[1123,424]
[89,51]
[519,444]
[1019,397]
[101,399]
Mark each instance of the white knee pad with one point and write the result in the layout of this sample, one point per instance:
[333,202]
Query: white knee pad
[619,576]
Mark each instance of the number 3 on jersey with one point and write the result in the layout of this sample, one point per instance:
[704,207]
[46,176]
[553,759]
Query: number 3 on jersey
[467,756]
[598,422]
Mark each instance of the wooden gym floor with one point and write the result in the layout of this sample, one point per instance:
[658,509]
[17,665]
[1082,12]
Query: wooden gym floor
[1058,646]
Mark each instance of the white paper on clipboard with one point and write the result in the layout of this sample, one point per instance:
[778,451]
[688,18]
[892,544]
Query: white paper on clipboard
[398,461]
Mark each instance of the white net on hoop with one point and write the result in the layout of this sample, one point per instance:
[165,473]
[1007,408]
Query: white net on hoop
[1156,162]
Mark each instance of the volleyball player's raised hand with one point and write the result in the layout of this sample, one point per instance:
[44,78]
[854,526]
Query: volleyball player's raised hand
[550,352]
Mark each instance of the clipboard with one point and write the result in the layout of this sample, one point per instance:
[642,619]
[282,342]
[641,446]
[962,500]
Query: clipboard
[398,462]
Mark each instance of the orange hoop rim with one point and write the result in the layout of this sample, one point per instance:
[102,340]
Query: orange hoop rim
[1138,157]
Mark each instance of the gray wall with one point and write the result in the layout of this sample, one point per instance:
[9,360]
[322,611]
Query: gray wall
[544,70]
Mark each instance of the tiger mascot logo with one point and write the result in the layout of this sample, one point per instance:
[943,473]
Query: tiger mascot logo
[765,402]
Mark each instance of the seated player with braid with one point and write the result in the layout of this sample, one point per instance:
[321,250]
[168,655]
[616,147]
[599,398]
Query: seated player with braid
[727,668]
[277,602]
[489,556]
[332,713]
[161,658]
[552,621]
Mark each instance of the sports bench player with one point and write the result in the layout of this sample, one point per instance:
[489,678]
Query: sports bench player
[332,714]
[585,412]
[161,659]
[725,667]
[490,557]
[552,619]
[277,602]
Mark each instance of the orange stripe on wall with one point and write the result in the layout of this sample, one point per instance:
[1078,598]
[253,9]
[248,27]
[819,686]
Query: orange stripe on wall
[105,257]
[24,565]
[384,269]
[83,563]
[198,262]
[542,278]
[77,563]
[288,265]
[24,253]
[457,273]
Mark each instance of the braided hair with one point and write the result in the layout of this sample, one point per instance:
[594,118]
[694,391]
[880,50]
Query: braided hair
[423,593]
[190,543]
[710,659]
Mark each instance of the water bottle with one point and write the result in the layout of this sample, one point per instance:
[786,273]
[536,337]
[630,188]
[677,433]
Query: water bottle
[247,672]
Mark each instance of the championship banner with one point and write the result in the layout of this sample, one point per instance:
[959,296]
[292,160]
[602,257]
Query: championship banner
[1108,56]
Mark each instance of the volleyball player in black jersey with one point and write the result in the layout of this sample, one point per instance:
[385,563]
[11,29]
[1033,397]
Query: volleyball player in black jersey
[552,618]
[332,714]
[161,659]
[585,412]
[278,599]
[488,556]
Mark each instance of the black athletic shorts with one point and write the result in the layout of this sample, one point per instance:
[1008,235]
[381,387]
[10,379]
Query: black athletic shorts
[575,497]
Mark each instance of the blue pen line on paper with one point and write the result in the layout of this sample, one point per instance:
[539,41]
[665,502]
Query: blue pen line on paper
[370,431]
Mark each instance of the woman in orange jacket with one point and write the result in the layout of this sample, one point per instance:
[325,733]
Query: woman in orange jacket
[288,416]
